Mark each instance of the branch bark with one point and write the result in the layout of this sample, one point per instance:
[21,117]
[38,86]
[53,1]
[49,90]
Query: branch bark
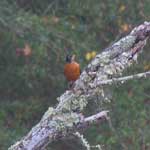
[64,119]
[122,79]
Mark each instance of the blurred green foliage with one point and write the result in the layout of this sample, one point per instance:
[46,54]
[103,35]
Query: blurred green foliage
[51,29]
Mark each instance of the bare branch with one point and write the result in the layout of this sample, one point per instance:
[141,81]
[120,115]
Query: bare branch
[123,79]
[65,118]
[96,117]
[85,143]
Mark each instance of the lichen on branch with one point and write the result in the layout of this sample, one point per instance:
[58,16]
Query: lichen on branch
[65,119]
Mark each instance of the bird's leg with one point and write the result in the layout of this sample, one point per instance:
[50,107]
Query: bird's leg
[71,85]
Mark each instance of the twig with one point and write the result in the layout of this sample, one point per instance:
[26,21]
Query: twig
[123,79]
[96,117]
[85,143]
[48,8]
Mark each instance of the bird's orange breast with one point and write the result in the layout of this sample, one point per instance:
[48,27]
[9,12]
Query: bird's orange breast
[72,71]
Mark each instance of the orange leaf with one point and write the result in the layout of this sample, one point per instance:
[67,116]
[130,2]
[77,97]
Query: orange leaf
[147,67]
[27,50]
[125,27]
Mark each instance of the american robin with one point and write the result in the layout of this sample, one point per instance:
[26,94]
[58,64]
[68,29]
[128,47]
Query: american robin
[71,70]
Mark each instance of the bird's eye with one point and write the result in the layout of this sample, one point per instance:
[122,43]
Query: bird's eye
[68,58]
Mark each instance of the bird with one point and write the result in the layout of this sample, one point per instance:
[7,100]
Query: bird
[71,70]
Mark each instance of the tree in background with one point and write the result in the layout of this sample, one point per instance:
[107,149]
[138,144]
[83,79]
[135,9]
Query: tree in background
[51,29]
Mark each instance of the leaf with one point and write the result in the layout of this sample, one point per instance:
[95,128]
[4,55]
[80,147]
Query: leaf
[27,50]
[122,8]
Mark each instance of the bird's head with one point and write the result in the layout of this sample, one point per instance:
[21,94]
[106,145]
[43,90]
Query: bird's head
[70,58]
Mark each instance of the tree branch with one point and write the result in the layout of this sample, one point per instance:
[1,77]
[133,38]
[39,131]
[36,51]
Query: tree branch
[122,79]
[85,143]
[64,119]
